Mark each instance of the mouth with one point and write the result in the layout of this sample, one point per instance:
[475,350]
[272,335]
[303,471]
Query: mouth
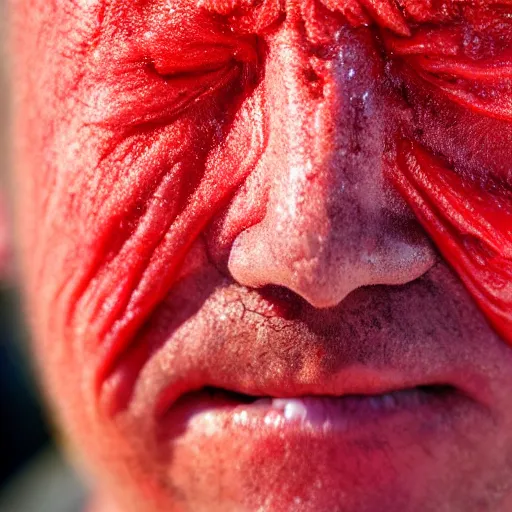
[314,412]
[321,448]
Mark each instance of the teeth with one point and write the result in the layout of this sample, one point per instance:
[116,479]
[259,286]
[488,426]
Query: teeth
[386,402]
[279,403]
[292,408]
[295,410]
[319,410]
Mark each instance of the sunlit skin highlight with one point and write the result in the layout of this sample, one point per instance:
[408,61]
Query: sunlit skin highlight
[279,199]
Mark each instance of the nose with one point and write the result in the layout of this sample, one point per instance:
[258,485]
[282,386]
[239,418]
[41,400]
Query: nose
[331,223]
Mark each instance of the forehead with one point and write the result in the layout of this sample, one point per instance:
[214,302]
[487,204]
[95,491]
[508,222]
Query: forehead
[78,23]
[83,19]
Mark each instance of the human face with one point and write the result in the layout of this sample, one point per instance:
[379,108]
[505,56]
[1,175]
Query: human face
[223,212]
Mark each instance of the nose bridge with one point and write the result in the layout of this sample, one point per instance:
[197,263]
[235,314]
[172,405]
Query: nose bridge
[324,154]
[296,94]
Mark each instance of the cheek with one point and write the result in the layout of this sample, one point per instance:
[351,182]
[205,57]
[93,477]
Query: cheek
[122,170]
[460,98]
[470,224]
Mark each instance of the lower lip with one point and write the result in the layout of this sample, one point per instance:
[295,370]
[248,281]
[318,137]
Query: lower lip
[311,445]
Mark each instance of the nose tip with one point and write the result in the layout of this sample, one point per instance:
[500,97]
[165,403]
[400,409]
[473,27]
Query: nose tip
[302,276]
[297,267]
[325,270]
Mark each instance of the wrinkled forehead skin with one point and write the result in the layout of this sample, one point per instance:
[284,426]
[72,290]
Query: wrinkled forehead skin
[141,123]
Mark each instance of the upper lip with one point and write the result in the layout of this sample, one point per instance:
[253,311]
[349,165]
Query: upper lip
[352,379]
[356,380]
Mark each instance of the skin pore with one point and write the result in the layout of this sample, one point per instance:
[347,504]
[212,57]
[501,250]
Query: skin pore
[224,203]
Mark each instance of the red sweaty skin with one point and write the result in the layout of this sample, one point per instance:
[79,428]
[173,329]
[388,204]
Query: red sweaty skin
[231,194]
[465,210]
[470,225]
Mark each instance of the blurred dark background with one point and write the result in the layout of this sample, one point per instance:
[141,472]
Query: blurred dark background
[33,474]
[22,428]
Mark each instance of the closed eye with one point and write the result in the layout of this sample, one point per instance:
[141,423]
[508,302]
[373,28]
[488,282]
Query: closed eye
[148,97]
[193,59]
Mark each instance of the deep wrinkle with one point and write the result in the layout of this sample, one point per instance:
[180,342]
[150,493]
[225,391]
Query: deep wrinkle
[466,211]
[439,55]
[471,227]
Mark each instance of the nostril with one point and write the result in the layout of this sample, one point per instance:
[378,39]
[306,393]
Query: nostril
[284,302]
[313,82]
